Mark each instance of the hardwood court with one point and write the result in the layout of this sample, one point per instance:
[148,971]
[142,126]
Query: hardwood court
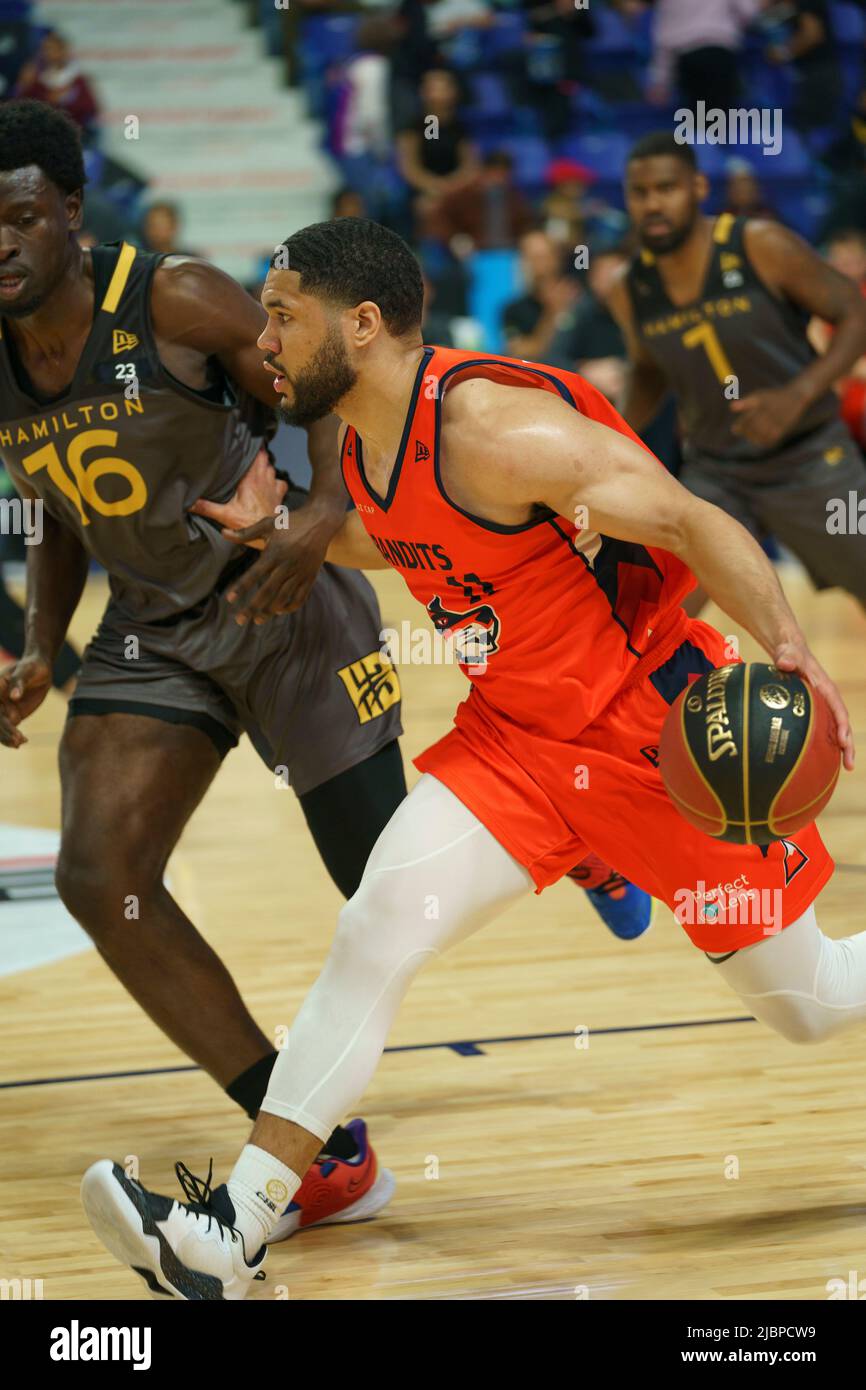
[527,1167]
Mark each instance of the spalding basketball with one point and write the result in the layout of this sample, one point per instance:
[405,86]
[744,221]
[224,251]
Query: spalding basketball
[748,753]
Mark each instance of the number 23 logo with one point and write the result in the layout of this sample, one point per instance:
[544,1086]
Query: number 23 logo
[81,488]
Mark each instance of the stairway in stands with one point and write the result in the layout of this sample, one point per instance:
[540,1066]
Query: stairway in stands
[219,133]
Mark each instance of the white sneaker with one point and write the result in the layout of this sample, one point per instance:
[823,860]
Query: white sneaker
[187,1250]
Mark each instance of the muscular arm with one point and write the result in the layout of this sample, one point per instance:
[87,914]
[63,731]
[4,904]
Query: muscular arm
[512,458]
[790,268]
[645,385]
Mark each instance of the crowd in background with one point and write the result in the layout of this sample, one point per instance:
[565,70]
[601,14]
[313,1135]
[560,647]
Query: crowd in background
[492,134]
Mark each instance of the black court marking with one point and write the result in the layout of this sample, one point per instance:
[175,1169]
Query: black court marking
[466,1048]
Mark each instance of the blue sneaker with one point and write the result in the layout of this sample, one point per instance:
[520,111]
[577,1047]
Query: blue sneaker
[623,907]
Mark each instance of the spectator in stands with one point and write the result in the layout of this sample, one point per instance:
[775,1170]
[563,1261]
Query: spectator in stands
[412,53]
[160,229]
[348,202]
[55,77]
[365,132]
[531,322]
[743,196]
[695,49]
[846,252]
[588,339]
[572,218]
[552,61]
[487,213]
[811,53]
[434,152]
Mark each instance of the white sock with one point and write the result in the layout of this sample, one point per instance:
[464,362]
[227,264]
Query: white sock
[261,1187]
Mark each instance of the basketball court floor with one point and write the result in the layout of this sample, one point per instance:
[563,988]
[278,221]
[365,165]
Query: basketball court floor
[676,1150]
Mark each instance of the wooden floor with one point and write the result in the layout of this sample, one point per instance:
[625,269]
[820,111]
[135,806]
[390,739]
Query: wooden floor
[606,1172]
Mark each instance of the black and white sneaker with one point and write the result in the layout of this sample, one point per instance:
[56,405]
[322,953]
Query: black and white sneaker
[187,1250]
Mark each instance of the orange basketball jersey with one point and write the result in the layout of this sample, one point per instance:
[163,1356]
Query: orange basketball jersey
[549,621]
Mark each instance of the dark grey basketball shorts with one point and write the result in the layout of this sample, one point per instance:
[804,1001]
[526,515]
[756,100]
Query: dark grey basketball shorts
[787,496]
[310,688]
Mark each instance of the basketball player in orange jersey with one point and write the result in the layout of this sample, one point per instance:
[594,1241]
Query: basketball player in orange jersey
[555,550]
[717,311]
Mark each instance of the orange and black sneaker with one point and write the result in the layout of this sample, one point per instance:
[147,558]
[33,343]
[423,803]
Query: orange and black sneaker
[338,1189]
[623,907]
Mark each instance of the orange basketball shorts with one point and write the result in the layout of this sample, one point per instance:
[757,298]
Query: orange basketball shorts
[550,804]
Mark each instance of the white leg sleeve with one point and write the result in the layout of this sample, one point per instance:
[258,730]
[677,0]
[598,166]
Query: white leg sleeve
[435,875]
[800,982]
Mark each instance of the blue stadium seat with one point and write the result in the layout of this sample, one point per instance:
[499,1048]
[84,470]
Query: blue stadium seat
[490,95]
[613,36]
[505,35]
[530,154]
[327,39]
[849,24]
[603,151]
[853,64]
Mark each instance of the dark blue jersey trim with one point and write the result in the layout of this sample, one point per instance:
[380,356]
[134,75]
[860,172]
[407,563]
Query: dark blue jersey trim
[383,503]
[569,540]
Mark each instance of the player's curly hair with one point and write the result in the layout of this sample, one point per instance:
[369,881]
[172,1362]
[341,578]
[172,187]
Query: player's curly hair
[353,258]
[33,133]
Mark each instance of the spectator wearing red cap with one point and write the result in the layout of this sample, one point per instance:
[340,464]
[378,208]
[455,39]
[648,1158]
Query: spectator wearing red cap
[570,217]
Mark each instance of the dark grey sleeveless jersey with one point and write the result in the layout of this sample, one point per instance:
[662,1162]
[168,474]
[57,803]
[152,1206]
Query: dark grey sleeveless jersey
[736,328]
[121,456]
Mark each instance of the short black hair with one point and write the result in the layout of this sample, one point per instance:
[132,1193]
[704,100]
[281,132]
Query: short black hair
[663,142]
[354,258]
[33,133]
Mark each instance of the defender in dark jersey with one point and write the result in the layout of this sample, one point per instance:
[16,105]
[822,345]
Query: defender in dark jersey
[717,311]
[130,385]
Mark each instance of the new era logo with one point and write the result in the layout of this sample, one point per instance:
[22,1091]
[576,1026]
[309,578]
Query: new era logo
[421,451]
[122,341]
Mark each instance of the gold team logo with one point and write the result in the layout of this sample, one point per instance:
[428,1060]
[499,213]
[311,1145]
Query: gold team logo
[372,684]
[276,1190]
[834,456]
[774,696]
[122,341]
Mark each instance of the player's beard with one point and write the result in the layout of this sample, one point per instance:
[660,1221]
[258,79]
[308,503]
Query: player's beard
[671,241]
[322,384]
